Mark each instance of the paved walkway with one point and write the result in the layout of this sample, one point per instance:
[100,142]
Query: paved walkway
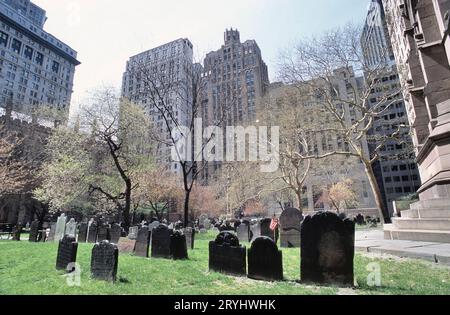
[372,241]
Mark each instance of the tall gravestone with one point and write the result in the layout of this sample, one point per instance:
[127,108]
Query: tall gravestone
[133,233]
[226,255]
[290,227]
[178,246]
[267,232]
[60,227]
[142,242]
[92,232]
[51,234]
[104,261]
[34,232]
[103,233]
[71,228]
[328,249]
[255,230]
[243,232]
[82,233]
[190,237]
[265,260]
[161,242]
[67,253]
[115,232]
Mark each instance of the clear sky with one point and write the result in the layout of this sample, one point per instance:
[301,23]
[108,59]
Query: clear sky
[107,32]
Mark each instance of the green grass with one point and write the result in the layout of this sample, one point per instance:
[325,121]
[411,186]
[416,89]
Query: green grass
[29,268]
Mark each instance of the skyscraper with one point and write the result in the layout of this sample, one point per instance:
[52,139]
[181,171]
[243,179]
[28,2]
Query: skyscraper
[35,67]
[396,170]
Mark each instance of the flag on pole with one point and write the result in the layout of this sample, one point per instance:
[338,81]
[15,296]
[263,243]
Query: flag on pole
[274,224]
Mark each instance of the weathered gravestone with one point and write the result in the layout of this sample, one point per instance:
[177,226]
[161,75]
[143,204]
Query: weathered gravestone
[51,234]
[265,261]
[328,249]
[92,232]
[133,233]
[266,231]
[67,253]
[16,232]
[290,226]
[161,242]
[103,234]
[115,232]
[142,242]
[126,246]
[178,246]
[71,228]
[34,232]
[255,231]
[226,255]
[82,233]
[104,261]
[207,224]
[189,233]
[60,227]
[243,232]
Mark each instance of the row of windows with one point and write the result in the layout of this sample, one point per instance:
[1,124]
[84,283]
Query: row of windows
[398,179]
[402,167]
[401,190]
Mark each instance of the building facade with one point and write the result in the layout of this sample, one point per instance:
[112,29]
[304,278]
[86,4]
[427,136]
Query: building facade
[173,61]
[396,170]
[35,67]
[419,31]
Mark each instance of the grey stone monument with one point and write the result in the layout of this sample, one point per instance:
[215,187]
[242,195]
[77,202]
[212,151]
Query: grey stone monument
[71,228]
[290,227]
[104,261]
[60,227]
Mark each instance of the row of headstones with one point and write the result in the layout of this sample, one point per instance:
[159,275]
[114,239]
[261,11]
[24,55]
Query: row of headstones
[327,253]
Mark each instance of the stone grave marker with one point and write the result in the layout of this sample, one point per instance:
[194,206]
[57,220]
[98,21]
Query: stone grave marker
[104,261]
[82,232]
[126,246]
[265,260]
[290,227]
[103,234]
[51,234]
[207,224]
[255,230]
[92,232]
[161,242]
[115,232]
[67,253]
[226,255]
[71,228]
[190,237]
[178,246]
[243,232]
[142,242]
[266,231]
[133,233]
[34,232]
[42,235]
[60,227]
[328,249]
[16,232]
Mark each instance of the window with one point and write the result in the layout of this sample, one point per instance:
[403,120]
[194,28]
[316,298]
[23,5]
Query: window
[397,179]
[405,178]
[395,168]
[28,52]
[16,46]
[4,39]
[403,167]
[407,189]
[399,190]
[388,179]
[55,67]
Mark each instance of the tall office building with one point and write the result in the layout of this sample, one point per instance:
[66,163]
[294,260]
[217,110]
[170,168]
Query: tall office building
[396,171]
[173,61]
[420,36]
[35,67]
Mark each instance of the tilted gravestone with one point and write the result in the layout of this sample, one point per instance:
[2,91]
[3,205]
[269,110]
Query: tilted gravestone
[178,246]
[266,231]
[60,227]
[142,242]
[82,233]
[126,246]
[104,261]
[92,232]
[34,232]
[133,233]
[190,237]
[161,242]
[328,249]
[265,260]
[16,232]
[290,227]
[51,234]
[115,232]
[243,232]
[226,255]
[103,234]
[71,228]
[67,253]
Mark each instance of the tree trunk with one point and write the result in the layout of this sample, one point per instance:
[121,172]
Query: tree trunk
[377,193]
[127,208]
[186,207]
[298,194]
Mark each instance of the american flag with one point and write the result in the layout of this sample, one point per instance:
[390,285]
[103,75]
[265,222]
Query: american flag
[274,224]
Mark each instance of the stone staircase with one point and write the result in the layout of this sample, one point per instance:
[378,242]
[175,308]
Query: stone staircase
[427,221]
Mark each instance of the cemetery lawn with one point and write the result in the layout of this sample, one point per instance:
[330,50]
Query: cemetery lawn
[29,268]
